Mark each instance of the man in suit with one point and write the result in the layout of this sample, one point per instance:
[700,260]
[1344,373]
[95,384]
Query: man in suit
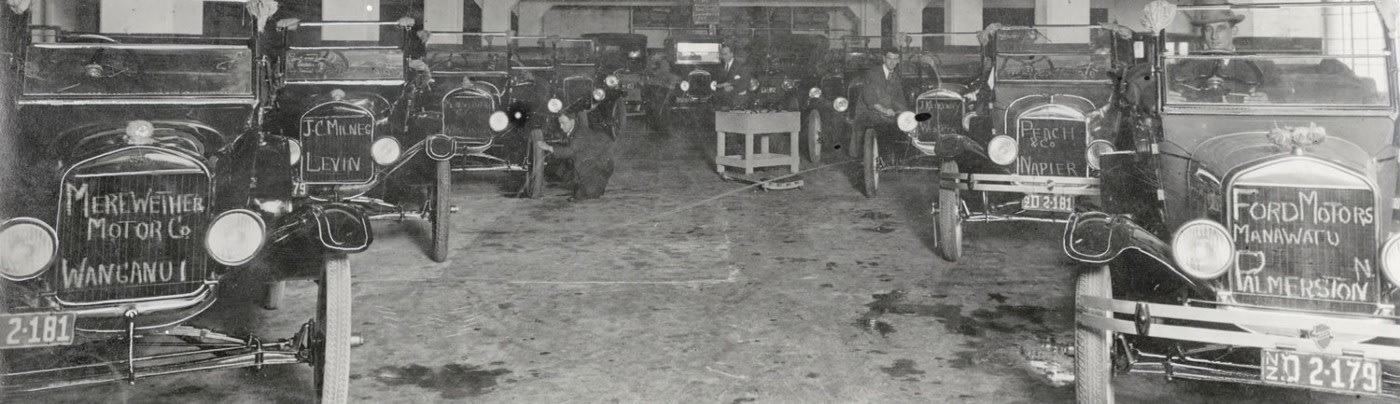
[882,97]
[732,81]
[589,154]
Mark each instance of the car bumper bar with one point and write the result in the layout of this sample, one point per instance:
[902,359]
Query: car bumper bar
[1023,183]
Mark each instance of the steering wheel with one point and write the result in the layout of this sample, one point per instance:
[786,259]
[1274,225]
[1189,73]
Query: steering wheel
[1214,82]
[1032,67]
[333,62]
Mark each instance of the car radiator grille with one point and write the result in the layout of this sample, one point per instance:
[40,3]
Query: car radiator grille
[131,236]
[1051,147]
[467,116]
[335,143]
[945,118]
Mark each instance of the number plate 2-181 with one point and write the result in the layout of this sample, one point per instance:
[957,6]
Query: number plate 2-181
[36,329]
[1323,372]
[1048,202]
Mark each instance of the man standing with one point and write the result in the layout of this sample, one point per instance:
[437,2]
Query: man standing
[732,81]
[882,97]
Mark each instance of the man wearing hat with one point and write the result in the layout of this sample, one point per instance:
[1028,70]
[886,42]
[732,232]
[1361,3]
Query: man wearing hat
[1218,80]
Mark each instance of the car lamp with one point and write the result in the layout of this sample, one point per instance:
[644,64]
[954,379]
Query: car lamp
[685,86]
[338,94]
[235,237]
[1390,259]
[140,132]
[840,104]
[1203,249]
[610,81]
[789,84]
[906,121]
[27,247]
[714,86]
[814,92]
[1002,149]
[634,54]
[599,94]
[554,105]
[1097,148]
[293,151]
[385,150]
[498,121]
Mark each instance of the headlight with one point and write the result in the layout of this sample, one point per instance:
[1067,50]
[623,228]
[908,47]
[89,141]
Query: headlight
[714,86]
[498,121]
[906,121]
[599,94]
[1003,149]
[27,247]
[610,81]
[685,86]
[1096,149]
[814,92]
[1390,259]
[789,84]
[235,237]
[634,54]
[840,104]
[294,151]
[554,105]
[1203,249]
[385,151]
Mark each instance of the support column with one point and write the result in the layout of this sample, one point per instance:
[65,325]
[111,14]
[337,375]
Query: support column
[1063,12]
[962,16]
[152,17]
[530,15]
[443,16]
[495,14]
[868,15]
[350,10]
[908,19]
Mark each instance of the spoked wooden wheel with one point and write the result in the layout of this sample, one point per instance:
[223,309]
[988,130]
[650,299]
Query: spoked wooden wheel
[441,213]
[813,136]
[620,117]
[1093,376]
[331,334]
[534,180]
[870,164]
[948,224]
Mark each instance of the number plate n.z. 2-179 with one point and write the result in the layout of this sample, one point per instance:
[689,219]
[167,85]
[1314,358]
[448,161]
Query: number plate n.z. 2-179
[1323,372]
[36,329]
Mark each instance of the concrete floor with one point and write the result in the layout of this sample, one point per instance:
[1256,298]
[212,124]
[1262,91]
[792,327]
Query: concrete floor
[679,287]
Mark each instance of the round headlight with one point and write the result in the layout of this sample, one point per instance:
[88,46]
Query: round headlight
[235,237]
[27,247]
[554,105]
[906,121]
[814,92]
[610,81]
[685,86]
[1390,259]
[789,84]
[1096,149]
[753,84]
[599,94]
[634,54]
[498,121]
[1002,149]
[840,104]
[385,150]
[1203,249]
[294,151]
[714,86]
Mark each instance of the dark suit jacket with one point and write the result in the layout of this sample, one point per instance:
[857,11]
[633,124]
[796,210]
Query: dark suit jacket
[738,74]
[590,155]
[879,90]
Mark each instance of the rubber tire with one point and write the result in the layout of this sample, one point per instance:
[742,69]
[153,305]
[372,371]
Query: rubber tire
[813,134]
[442,211]
[332,364]
[620,120]
[272,294]
[948,224]
[1093,373]
[534,179]
[870,153]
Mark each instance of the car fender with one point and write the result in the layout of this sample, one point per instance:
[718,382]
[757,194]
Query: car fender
[1100,238]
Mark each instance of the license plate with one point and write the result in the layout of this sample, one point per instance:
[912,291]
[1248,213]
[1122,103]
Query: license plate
[768,90]
[36,329]
[1048,202]
[1324,372]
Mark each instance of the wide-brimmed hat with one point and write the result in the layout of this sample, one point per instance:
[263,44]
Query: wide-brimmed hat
[1206,17]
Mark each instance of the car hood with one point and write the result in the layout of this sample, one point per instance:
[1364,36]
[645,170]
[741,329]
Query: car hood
[1223,145]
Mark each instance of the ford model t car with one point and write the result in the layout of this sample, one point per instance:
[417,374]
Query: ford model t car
[145,176]
[1248,232]
[344,105]
[1031,153]
[828,110]
[624,56]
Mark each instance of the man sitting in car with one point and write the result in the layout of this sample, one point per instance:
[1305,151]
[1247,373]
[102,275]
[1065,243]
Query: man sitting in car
[882,97]
[1219,80]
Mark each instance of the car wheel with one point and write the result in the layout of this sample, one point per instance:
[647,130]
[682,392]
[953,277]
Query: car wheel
[534,180]
[869,166]
[620,112]
[331,345]
[949,221]
[813,136]
[1092,357]
[441,214]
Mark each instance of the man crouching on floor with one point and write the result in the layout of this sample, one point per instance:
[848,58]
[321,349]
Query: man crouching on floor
[589,154]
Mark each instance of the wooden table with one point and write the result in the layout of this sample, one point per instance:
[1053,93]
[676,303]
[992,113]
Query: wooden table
[759,125]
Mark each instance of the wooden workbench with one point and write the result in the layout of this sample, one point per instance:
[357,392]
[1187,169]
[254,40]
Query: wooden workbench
[760,125]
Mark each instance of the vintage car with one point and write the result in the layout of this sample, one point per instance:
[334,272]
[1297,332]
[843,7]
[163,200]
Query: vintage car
[146,181]
[696,62]
[940,76]
[1248,230]
[1031,151]
[828,110]
[344,106]
[624,56]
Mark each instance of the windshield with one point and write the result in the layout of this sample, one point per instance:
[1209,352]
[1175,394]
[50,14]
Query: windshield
[467,52]
[532,52]
[1077,53]
[60,70]
[575,51]
[1318,55]
[953,55]
[313,64]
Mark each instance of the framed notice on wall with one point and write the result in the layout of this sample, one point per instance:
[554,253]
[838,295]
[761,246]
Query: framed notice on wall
[705,12]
